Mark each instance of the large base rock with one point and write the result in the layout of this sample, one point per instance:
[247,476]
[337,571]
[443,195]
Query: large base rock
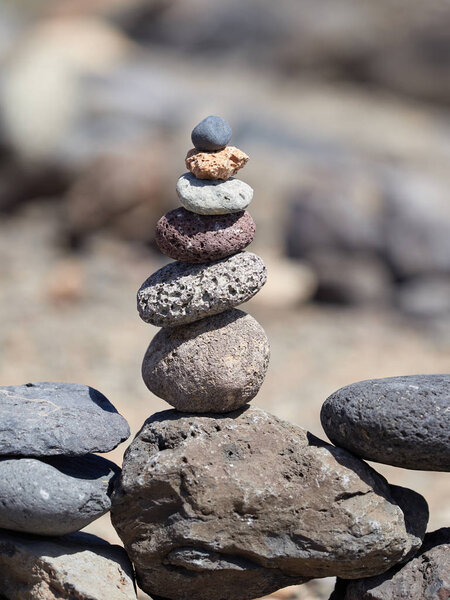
[78,566]
[245,503]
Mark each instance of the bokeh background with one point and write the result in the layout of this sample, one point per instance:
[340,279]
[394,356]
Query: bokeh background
[343,107]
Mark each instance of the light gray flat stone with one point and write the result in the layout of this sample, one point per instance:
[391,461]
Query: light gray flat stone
[74,566]
[56,497]
[213,197]
[44,419]
[181,293]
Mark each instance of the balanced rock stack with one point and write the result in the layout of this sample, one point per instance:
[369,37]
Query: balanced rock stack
[217,499]
[51,484]
[208,357]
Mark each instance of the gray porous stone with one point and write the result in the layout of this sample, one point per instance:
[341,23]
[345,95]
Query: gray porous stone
[213,197]
[425,577]
[213,133]
[77,566]
[217,364]
[181,293]
[42,419]
[55,497]
[400,421]
[245,503]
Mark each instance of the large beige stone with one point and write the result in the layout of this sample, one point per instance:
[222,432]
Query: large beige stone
[245,503]
[78,566]
[216,165]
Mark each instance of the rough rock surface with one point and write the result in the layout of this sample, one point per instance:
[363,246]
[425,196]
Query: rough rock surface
[188,237]
[245,503]
[216,165]
[213,365]
[40,419]
[213,133]
[400,421]
[55,497]
[181,293]
[67,568]
[426,577]
[213,197]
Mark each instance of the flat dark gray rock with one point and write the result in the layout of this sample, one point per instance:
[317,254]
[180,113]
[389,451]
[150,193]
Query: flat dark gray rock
[244,503]
[400,421]
[44,419]
[425,577]
[63,568]
[55,497]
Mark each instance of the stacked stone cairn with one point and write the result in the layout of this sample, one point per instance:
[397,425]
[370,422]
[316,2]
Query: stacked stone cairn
[52,485]
[219,500]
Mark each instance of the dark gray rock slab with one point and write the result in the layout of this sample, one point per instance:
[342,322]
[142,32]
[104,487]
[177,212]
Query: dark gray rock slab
[425,577]
[400,421]
[55,497]
[245,503]
[214,365]
[181,293]
[63,568]
[48,418]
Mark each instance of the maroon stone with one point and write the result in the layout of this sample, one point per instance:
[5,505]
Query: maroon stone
[193,238]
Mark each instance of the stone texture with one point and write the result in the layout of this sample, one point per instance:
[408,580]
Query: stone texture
[181,293]
[216,165]
[213,197]
[39,419]
[245,503]
[426,577]
[213,133]
[188,237]
[77,566]
[213,365]
[400,421]
[55,497]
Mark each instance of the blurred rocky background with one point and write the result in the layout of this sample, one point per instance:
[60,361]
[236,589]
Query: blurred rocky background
[343,107]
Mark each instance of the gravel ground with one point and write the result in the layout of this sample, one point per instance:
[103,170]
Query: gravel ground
[73,318]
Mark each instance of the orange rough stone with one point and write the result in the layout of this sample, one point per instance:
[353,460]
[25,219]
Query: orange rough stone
[216,165]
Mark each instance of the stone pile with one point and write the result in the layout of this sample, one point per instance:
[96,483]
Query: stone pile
[52,484]
[217,499]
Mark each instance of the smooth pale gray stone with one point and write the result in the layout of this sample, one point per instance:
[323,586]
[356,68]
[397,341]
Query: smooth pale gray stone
[79,565]
[213,197]
[399,421]
[48,418]
[55,497]
[182,293]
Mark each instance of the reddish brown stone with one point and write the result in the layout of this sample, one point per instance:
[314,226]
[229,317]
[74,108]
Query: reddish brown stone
[193,238]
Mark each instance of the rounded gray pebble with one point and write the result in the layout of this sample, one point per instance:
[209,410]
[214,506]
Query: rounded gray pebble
[213,197]
[55,497]
[215,365]
[181,293]
[213,133]
[399,421]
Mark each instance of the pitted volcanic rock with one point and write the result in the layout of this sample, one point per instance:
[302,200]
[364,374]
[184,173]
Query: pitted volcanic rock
[216,364]
[188,237]
[244,503]
[181,293]
[216,165]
